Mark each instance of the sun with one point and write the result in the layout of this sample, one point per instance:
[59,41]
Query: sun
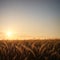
[9,35]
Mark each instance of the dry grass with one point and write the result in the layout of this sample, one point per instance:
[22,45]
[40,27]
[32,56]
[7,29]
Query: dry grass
[30,50]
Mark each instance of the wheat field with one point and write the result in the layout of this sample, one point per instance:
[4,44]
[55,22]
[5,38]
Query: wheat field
[30,50]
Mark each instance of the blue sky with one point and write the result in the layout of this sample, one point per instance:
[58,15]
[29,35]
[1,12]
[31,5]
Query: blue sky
[31,18]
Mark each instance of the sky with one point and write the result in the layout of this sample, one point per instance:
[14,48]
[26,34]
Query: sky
[30,18]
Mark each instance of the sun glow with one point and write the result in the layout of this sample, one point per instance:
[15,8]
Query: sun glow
[9,35]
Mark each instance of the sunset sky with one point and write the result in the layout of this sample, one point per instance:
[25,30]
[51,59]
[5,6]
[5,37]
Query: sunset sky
[26,19]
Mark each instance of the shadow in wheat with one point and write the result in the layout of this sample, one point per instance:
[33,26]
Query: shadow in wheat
[25,52]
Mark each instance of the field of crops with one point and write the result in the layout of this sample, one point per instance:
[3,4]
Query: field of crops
[30,50]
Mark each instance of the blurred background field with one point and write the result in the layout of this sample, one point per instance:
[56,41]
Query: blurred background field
[30,49]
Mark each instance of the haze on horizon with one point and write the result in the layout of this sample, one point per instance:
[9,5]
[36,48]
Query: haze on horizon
[30,18]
